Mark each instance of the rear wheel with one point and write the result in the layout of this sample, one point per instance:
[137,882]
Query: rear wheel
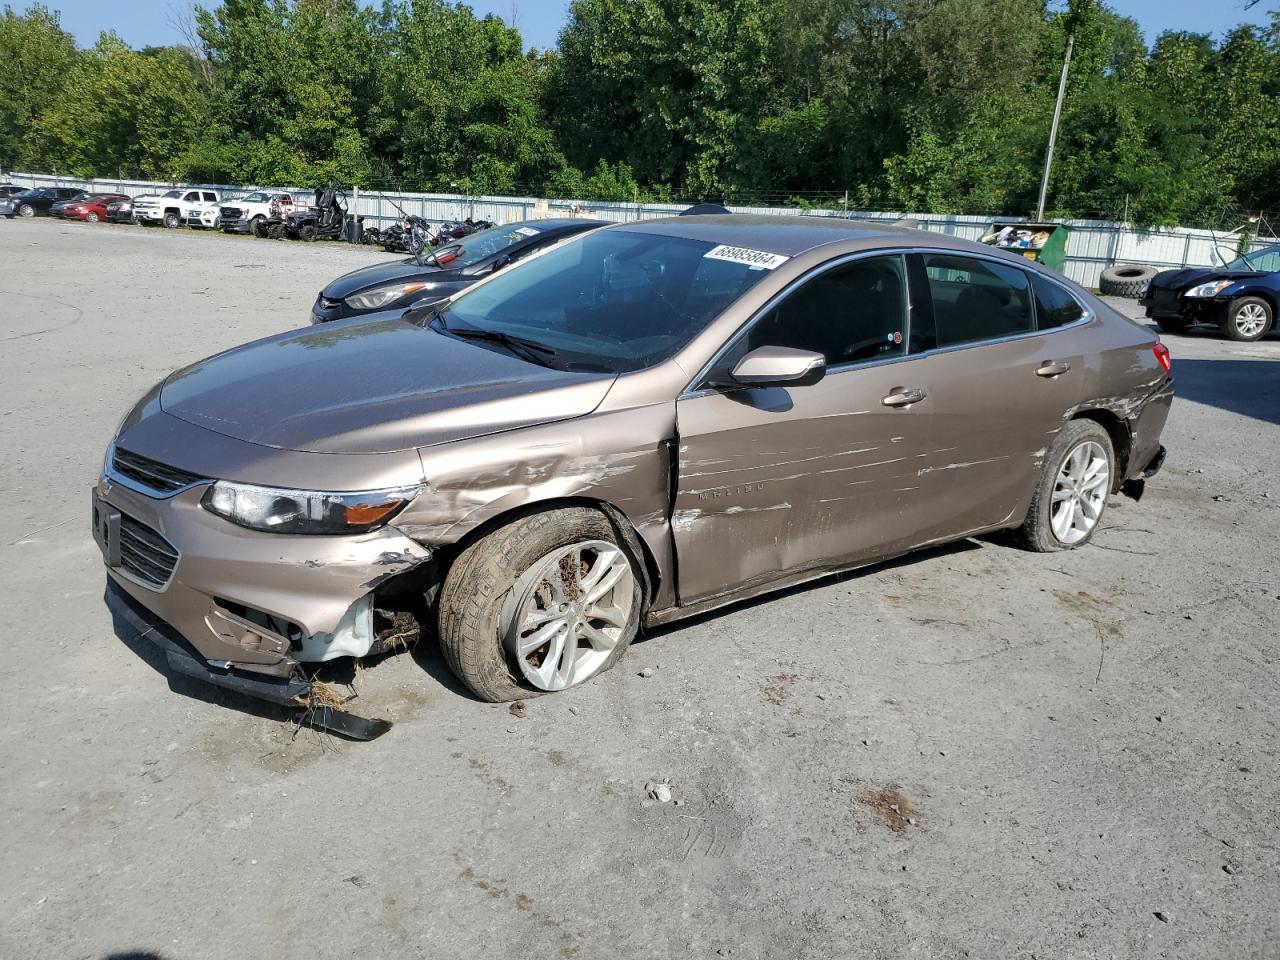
[540,605]
[307,232]
[1248,318]
[1070,498]
[26,210]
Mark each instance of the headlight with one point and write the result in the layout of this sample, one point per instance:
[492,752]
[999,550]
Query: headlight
[380,296]
[304,511]
[1210,289]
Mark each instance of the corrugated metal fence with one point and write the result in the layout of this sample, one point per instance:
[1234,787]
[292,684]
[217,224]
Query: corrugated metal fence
[1094,244]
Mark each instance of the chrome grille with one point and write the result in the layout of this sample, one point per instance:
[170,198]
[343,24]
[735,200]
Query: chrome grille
[145,553]
[152,474]
[230,213]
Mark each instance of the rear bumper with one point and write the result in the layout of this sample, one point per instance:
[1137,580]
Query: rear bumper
[1146,455]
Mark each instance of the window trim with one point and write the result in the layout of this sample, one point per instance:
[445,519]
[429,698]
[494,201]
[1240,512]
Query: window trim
[1087,316]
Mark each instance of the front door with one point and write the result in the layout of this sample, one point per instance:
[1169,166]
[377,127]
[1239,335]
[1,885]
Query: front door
[774,481]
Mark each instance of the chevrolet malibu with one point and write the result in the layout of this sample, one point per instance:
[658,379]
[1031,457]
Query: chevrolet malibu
[646,422]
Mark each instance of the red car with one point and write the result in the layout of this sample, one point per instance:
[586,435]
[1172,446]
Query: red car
[92,208]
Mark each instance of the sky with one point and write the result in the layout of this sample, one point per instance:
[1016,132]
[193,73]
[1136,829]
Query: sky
[146,22]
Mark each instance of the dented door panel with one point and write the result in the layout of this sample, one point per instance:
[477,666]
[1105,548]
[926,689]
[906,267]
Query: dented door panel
[775,480]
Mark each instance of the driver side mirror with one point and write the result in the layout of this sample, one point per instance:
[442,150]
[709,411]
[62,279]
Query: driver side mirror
[779,367]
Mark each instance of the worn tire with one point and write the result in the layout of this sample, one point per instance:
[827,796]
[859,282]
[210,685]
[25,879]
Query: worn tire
[1174,324]
[1126,280]
[1231,326]
[1036,532]
[258,226]
[471,601]
[275,231]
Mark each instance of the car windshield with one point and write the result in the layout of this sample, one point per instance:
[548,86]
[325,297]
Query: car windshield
[257,197]
[616,300]
[1267,259]
[173,193]
[478,246]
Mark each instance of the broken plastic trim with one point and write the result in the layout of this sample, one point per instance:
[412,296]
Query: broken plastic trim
[286,692]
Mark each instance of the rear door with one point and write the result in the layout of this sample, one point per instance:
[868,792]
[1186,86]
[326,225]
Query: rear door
[1005,382]
[772,480]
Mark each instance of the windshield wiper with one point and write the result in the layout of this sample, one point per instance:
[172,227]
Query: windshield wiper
[530,350]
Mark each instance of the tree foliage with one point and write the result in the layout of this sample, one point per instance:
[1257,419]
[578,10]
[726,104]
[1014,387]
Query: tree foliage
[940,105]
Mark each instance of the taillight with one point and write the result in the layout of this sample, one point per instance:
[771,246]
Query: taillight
[1162,356]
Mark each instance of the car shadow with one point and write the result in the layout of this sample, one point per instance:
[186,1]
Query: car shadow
[1250,388]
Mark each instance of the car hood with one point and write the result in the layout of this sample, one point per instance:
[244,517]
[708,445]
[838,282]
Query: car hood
[360,386]
[1191,276]
[379,273]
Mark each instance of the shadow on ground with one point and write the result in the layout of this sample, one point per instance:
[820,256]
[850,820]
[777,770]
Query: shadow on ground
[1250,388]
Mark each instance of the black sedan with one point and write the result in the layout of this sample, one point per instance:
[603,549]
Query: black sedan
[1240,298]
[36,203]
[441,272]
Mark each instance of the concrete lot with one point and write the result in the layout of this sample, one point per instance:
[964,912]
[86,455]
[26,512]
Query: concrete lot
[1081,747]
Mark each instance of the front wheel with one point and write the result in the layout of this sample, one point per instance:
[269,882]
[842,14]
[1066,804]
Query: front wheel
[1070,498]
[171,220]
[542,604]
[26,210]
[92,217]
[307,232]
[1248,318]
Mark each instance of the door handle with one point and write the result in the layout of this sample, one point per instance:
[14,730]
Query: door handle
[1052,368]
[903,397]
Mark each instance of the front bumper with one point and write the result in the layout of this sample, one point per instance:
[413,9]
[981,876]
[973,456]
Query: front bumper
[256,602]
[239,225]
[1167,303]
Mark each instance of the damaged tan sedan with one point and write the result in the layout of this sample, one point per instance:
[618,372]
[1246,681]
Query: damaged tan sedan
[647,422]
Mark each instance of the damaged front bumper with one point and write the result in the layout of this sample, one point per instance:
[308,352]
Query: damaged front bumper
[248,604]
[293,691]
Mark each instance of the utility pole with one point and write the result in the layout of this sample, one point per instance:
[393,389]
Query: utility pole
[1053,130]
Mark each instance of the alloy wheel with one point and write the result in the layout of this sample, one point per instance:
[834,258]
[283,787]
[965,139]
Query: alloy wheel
[1080,493]
[571,609]
[1251,320]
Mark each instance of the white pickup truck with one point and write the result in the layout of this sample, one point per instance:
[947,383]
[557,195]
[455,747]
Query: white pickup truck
[198,207]
[249,214]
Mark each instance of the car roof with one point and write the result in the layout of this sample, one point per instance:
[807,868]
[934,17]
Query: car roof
[791,235]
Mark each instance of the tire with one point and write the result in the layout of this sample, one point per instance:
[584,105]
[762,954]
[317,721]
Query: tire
[1248,319]
[1038,532]
[1126,281]
[503,575]
[26,210]
[91,217]
[172,221]
[307,232]
[1174,324]
[258,226]
[217,223]
[275,231]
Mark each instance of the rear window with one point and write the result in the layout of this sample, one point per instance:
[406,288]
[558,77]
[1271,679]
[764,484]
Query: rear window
[975,300]
[1054,306]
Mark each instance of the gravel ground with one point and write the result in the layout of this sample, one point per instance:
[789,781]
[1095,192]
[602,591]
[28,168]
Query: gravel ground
[977,752]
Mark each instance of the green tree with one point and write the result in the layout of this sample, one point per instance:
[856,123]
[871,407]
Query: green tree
[35,56]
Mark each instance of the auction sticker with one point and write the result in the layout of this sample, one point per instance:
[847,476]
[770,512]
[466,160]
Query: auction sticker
[756,259]
[525,231]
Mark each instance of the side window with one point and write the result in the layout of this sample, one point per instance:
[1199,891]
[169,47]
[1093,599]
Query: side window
[192,196]
[1054,306]
[210,196]
[977,300]
[1269,261]
[852,313]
